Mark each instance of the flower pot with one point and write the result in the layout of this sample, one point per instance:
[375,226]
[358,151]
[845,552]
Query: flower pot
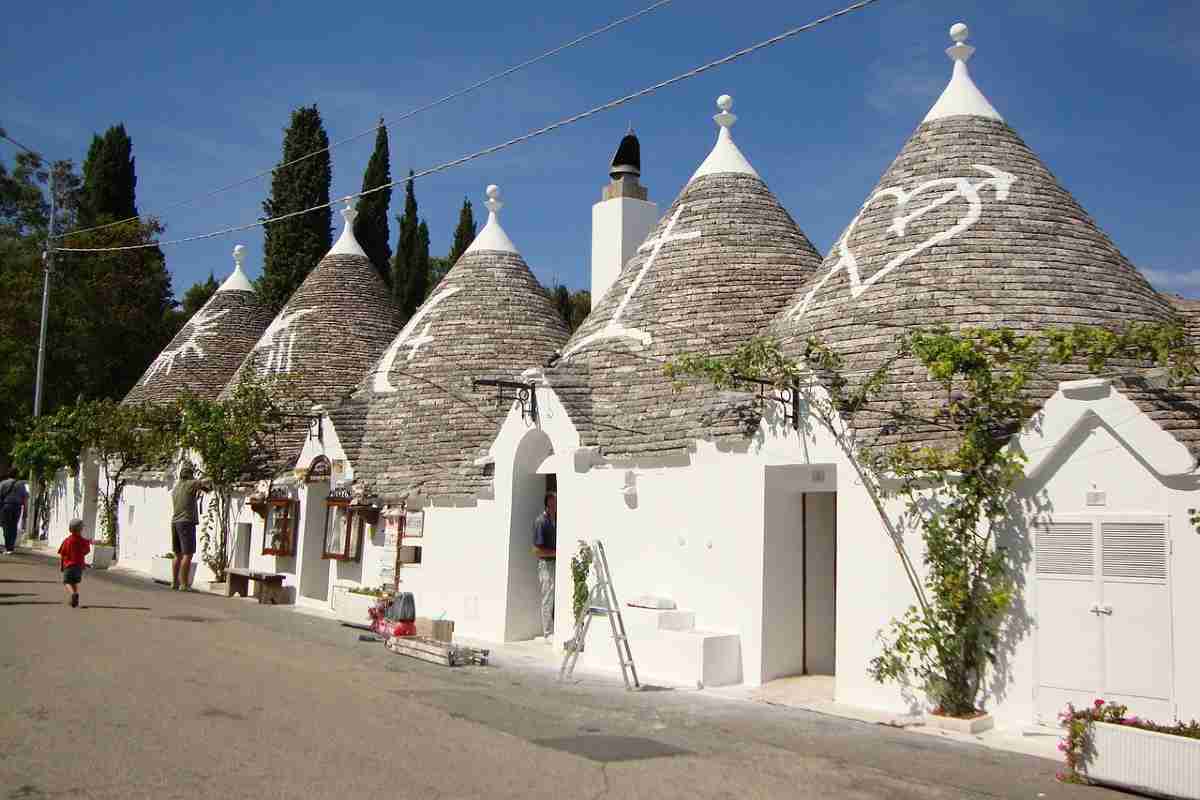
[1145,761]
[101,556]
[969,725]
[218,587]
[160,569]
[351,609]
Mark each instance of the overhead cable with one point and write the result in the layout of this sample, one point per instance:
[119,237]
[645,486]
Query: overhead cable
[788,34]
[406,115]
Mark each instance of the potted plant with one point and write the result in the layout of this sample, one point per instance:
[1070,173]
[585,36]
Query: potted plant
[1104,744]
[352,604]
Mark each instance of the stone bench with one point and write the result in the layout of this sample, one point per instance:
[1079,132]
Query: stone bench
[268,586]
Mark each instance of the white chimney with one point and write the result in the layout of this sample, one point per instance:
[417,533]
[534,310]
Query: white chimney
[622,219]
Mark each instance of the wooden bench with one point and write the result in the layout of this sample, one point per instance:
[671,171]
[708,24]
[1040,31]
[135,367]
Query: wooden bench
[268,585]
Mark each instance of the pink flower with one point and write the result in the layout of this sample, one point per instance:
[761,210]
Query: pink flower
[1098,703]
[1062,747]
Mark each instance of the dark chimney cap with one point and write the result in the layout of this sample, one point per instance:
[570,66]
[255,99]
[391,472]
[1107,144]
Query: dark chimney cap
[628,160]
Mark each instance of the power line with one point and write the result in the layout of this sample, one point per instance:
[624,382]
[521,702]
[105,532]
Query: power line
[788,34]
[408,114]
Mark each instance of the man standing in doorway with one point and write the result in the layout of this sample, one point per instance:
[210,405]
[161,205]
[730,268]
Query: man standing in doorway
[545,547]
[183,526]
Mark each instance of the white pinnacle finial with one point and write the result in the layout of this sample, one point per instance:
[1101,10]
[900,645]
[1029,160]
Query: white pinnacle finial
[493,203]
[346,244]
[960,50]
[726,118]
[725,156]
[237,282]
[492,236]
[961,96]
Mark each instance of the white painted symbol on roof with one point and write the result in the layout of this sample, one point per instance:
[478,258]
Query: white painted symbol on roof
[613,329]
[278,341]
[202,324]
[1000,182]
[406,339]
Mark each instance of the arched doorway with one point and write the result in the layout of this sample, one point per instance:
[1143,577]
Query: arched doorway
[313,569]
[523,618]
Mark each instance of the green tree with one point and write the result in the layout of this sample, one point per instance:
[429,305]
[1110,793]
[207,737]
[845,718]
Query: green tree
[438,269]
[464,233]
[573,307]
[371,225]
[109,179]
[292,247]
[410,267]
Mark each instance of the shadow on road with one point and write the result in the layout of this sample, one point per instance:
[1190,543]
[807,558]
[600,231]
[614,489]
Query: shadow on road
[32,603]
[117,608]
[18,594]
[17,580]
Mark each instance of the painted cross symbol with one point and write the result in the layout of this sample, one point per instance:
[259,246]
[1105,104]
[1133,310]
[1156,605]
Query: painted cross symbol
[613,329]
[406,339]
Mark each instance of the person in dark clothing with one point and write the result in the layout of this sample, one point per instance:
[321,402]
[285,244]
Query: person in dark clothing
[545,547]
[184,519]
[13,496]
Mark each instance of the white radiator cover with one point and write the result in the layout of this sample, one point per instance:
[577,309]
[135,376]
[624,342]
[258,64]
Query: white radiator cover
[1154,763]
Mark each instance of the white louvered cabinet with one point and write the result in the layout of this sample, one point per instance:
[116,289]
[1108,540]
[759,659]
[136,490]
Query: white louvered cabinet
[1103,613]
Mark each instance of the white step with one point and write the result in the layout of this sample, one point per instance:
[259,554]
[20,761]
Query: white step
[687,657]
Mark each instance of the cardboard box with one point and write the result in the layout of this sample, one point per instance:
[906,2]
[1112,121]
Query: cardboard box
[440,629]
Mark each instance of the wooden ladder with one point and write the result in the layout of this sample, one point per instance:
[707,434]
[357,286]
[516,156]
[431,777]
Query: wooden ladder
[602,602]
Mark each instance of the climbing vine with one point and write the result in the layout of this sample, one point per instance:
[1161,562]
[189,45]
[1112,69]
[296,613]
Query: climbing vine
[958,495]
[581,565]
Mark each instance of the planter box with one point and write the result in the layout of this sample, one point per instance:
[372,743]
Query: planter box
[958,725]
[1145,761]
[351,609]
[101,556]
[160,570]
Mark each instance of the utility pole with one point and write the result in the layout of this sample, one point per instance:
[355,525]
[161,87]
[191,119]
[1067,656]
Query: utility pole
[47,268]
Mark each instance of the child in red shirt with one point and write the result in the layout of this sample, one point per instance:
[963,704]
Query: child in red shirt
[72,552]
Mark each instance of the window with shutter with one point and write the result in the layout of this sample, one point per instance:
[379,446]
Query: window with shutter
[1134,550]
[1065,548]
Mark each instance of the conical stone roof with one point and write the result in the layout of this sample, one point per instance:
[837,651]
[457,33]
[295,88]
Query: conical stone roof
[425,426]
[210,347]
[719,265]
[328,333]
[967,227]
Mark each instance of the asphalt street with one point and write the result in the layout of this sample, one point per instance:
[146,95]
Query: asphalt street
[144,692]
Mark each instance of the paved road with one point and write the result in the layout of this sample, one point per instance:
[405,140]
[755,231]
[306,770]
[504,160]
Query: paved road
[143,692]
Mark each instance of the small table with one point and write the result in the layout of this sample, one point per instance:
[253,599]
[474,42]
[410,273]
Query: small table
[268,585]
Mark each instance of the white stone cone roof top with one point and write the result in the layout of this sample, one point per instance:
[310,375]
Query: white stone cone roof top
[346,244]
[961,96]
[725,156]
[492,237]
[237,282]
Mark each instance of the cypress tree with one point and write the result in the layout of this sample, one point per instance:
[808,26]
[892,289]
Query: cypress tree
[109,179]
[120,302]
[404,283]
[464,234]
[418,273]
[292,247]
[199,294]
[371,226]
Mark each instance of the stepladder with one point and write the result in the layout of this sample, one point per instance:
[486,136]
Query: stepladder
[602,602]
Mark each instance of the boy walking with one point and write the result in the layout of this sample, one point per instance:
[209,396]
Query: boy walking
[72,552]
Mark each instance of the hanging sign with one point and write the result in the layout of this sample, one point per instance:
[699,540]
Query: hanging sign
[319,470]
[414,524]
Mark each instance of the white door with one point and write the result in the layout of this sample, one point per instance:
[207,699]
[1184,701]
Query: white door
[1103,614]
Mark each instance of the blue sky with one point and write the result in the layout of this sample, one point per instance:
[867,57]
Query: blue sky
[1104,91]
